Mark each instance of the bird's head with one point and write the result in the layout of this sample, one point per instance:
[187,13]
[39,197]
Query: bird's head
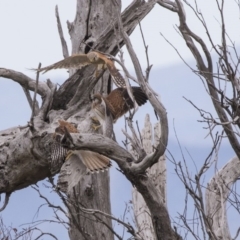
[92,56]
[96,100]
[99,106]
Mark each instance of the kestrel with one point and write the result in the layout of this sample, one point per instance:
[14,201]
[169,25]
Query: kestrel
[116,104]
[93,161]
[80,60]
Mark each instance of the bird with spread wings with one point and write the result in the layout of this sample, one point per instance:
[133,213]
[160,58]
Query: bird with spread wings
[79,60]
[116,104]
[93,161]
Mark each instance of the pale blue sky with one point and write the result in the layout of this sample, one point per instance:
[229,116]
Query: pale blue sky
[29,36]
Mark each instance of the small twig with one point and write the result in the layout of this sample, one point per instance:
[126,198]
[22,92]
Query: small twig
[146,52]
[128,86]
[123,218]
[178,53]
[35,95]
[140,136]
[48,202]
[30,101]
[28,96]
[211,119]
[30,231]
[128,75]
[7,196]
[126,139]
[60,31]
[237,233]
[128,226]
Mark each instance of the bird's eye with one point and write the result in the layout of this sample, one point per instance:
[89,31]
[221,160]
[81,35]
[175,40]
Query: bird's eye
[92,98]
[96,100]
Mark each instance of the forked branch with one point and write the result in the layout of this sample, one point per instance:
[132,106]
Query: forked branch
[157,105]
[206,72]
[24,81]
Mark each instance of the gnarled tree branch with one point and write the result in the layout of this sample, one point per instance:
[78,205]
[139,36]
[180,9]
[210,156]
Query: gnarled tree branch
[24,81]
[217,194]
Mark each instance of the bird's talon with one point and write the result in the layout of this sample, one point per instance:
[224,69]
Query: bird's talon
[69,154]
[96,127]
[95,120]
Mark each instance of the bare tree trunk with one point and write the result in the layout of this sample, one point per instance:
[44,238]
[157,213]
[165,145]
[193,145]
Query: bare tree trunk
[158,174]
[217,193]
[88,190]
[30,145]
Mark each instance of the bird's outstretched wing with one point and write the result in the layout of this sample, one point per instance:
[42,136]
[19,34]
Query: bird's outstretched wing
[119,102]
[79,60]
[74,61]
[92,160]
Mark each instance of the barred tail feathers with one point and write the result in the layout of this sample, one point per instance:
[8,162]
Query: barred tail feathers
[58,155]
[94,161]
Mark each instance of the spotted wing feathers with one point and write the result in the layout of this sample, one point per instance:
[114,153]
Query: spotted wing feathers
[79,60]
[117,77]
[74,62]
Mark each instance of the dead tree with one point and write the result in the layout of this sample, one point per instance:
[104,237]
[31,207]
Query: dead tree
[25,150]
[217,79]
[157,173]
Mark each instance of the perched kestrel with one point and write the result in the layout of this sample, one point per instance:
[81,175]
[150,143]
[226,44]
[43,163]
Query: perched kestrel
[93,161]
[80,60]
[116,104]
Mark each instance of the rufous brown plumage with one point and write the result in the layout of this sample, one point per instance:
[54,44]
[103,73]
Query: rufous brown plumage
[118,101]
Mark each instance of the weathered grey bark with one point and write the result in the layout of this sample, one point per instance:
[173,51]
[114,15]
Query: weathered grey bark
[71,102]
[133,169]
[108,42]
[159,214]
[158,174]
[219,188]
[88,190]
[85,31]
[217,193]
[29,147]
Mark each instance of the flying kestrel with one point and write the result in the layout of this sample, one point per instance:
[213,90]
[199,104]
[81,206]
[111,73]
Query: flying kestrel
[80,60]
[117,103]
[93,161]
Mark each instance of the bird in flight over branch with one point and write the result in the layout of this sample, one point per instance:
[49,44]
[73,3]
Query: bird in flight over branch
[79,60]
